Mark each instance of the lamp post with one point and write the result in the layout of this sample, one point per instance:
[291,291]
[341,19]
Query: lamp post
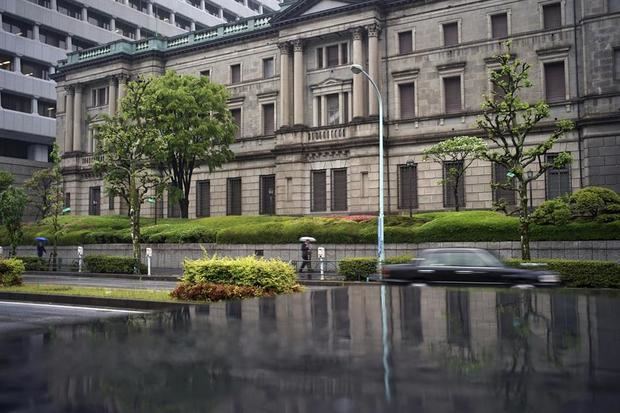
[357,69]
[410,164]
[530,174]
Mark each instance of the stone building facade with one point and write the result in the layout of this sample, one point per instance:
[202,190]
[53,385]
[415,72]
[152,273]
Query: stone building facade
[308,126]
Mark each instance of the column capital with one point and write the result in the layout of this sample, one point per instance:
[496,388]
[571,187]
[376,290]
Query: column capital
[298,45]
[122,77]
[285,47]
[70,89]
[357,33]
[373,30]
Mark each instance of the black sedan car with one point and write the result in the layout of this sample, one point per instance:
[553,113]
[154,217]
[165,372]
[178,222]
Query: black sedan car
[464,266]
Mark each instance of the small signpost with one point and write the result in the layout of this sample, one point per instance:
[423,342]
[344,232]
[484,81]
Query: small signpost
[149,254]
[321,253]
[80,251]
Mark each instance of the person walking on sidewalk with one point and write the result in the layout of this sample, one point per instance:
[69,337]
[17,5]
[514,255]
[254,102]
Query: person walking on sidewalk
[305,256]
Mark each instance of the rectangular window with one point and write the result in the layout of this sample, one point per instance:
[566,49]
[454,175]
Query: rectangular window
[69,9]
[125,29]
[17,27]
[268,71]
[52,38]
[289,189]
[268,119]
[235,74]
[46,109]
[405,42]
[408,186]
[236,115]
[99,20]
[146,34]
[339,189]
[552,15]
[42,3]
[35,69]
[67,202]
[364,184]
[98,97]
[233,196]
[616,64]
[449,184]
[319,108]
[345,109]
[79,44]
[319,198]
[16,102]
[267,192]
[555,84]
[161,14]
[203,198]
[141,5]
[319,57]
[344,53]
[450,34]
[182,23]
[499,26]
[111,200]
[332,55]
[333,109]
[6,62]
[498,92]
[502,194]
[406,93]
[174,209]
[452,94]
[94,200]
[557,180]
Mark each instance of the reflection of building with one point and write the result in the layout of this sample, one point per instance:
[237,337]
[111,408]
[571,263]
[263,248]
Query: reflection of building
[307,142]
[36,34]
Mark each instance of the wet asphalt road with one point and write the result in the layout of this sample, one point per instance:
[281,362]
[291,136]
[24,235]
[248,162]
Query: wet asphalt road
[101,282]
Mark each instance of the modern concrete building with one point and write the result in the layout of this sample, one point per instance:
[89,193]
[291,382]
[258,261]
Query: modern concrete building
[308,142]
[36,34]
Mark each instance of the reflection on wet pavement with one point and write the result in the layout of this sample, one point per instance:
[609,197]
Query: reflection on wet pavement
[350,349]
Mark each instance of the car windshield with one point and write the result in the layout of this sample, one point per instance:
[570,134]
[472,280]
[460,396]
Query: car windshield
[461,259]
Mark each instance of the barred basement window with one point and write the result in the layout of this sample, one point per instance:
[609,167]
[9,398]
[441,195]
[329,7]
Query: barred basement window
[235,74]
[267,192]
[268,119]
[318,185]
[557,180]
[203,198]
[452,94]
[94,200]
[448,186]
[499,176]
[174,209]
[406,93]
[339,189]
[407,186]
[233,196]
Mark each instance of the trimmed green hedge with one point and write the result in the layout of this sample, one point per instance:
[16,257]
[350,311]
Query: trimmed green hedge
[204,291]
[111,264]
[11,270]
[272,275]
[582,273]
[34,263]
[357,269]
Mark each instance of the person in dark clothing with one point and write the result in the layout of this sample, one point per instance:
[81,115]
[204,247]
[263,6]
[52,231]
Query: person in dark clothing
[305,255]
[40,249]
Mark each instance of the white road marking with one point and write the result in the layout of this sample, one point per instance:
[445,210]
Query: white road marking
[109,310]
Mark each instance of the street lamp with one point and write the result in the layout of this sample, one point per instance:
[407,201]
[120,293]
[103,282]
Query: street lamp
[530,174]
[357,69]
[410,164]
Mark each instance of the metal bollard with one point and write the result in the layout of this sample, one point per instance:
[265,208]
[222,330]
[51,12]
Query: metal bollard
[321,254]
[149,254]
[80,251]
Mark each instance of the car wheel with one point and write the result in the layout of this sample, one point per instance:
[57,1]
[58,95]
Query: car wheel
[523,286]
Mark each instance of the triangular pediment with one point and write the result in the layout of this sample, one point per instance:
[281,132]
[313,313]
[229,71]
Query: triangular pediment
[324,6]
[308,8]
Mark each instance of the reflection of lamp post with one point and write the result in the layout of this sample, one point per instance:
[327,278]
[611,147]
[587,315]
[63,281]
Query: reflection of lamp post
[410,164]
[530,174]
[357,69]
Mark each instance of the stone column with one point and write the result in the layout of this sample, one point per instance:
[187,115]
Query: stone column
[221,13]
[202,5]
[17,64]
[69,42]
[138,34]
[122,88]
[84,14]
[373,67]
[53,5]
[285,82]
[192,26]
[172,19]
[69,119]
[149,8]
[113,25]
[35,105]
[77,119]
[35,31]
[358,85]
[298,82]
[112,97]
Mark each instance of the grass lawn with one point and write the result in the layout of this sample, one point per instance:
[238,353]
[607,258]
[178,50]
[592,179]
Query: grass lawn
[424,227]
[51,289]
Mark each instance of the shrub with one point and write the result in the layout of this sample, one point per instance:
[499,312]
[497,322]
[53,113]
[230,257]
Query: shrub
[11,271]
[206,291]
[552,212]
[594,200]
[357,269]
[111,264]
[272,275]
[34,263]
[582,273]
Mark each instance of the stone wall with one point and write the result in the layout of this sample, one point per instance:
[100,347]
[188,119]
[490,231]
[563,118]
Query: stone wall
[172,255]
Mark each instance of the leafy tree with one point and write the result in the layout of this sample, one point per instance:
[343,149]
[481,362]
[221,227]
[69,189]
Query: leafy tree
[39,187]
[12,205]
[508,122]
[460,152]
[192,115]
[55,200]
[129,146]
[6,180]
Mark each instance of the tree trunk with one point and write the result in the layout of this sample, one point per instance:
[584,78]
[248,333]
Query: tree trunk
[524,222]
[134,214]
[184,205]
[456,195]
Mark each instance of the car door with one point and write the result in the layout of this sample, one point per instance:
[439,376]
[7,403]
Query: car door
[433,268]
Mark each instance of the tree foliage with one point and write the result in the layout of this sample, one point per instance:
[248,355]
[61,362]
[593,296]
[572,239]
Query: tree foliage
[129,148]
[508,122]
[6,180]
[39,187]
[191,114]
[55,201]
[12,205]
[460,152]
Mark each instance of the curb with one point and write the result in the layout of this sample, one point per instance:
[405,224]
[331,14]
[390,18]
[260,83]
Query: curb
[142,277]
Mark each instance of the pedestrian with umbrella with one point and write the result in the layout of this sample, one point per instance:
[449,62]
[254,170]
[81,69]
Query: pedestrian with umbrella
[306,253]
[41,241]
